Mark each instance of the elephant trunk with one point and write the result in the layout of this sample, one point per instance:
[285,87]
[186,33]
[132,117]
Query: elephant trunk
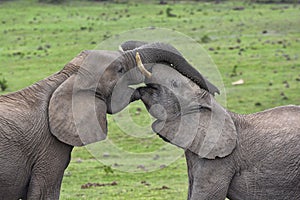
[164,53]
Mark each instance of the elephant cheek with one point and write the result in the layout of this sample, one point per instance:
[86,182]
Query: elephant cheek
[158,111]
[134,77]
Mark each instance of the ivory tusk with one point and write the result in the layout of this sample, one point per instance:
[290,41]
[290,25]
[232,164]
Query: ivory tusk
[141,67]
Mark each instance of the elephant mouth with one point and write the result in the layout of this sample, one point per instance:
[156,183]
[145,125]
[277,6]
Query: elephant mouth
[135,96]
[98,95]
[153,86]
[140,92]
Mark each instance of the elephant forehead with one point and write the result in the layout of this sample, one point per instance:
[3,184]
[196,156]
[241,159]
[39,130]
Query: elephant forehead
[169,77]
[98,60]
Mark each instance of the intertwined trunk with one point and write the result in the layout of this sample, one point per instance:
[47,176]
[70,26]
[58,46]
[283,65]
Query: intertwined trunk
[164,53]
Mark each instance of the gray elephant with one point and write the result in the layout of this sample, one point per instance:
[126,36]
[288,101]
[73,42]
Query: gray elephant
[242,157]
[40,124]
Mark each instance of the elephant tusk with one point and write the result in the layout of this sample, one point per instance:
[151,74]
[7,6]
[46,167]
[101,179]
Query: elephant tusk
[141,67]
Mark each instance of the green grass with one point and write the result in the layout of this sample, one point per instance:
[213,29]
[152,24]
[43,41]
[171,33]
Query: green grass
[259,44]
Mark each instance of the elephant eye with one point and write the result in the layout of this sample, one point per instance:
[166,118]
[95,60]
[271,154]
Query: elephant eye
[121,70]
[175,84]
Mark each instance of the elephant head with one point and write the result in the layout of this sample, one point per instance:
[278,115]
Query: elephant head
[187,114]
[99,84]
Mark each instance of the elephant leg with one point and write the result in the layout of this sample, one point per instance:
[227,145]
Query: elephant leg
[41,187]
[47,173]
[208,179]
[190,176]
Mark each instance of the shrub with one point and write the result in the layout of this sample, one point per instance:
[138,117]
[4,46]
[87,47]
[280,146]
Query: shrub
[3,84]
[205,39]
[169,14]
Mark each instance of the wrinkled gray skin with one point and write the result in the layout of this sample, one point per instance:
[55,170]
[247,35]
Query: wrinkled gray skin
[242,157]
[40,124]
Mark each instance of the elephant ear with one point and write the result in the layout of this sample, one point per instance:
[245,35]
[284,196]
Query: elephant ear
[76,116]
[207,130]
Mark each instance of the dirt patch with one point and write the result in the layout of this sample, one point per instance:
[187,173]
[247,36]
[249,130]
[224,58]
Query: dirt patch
[88,185]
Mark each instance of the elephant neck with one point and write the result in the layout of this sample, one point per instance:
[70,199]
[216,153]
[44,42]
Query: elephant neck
[238,120]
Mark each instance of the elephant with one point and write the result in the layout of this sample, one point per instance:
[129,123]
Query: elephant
[40,124]
[238,156]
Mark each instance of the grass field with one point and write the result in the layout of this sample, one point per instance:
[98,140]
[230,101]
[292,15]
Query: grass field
[258,43]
